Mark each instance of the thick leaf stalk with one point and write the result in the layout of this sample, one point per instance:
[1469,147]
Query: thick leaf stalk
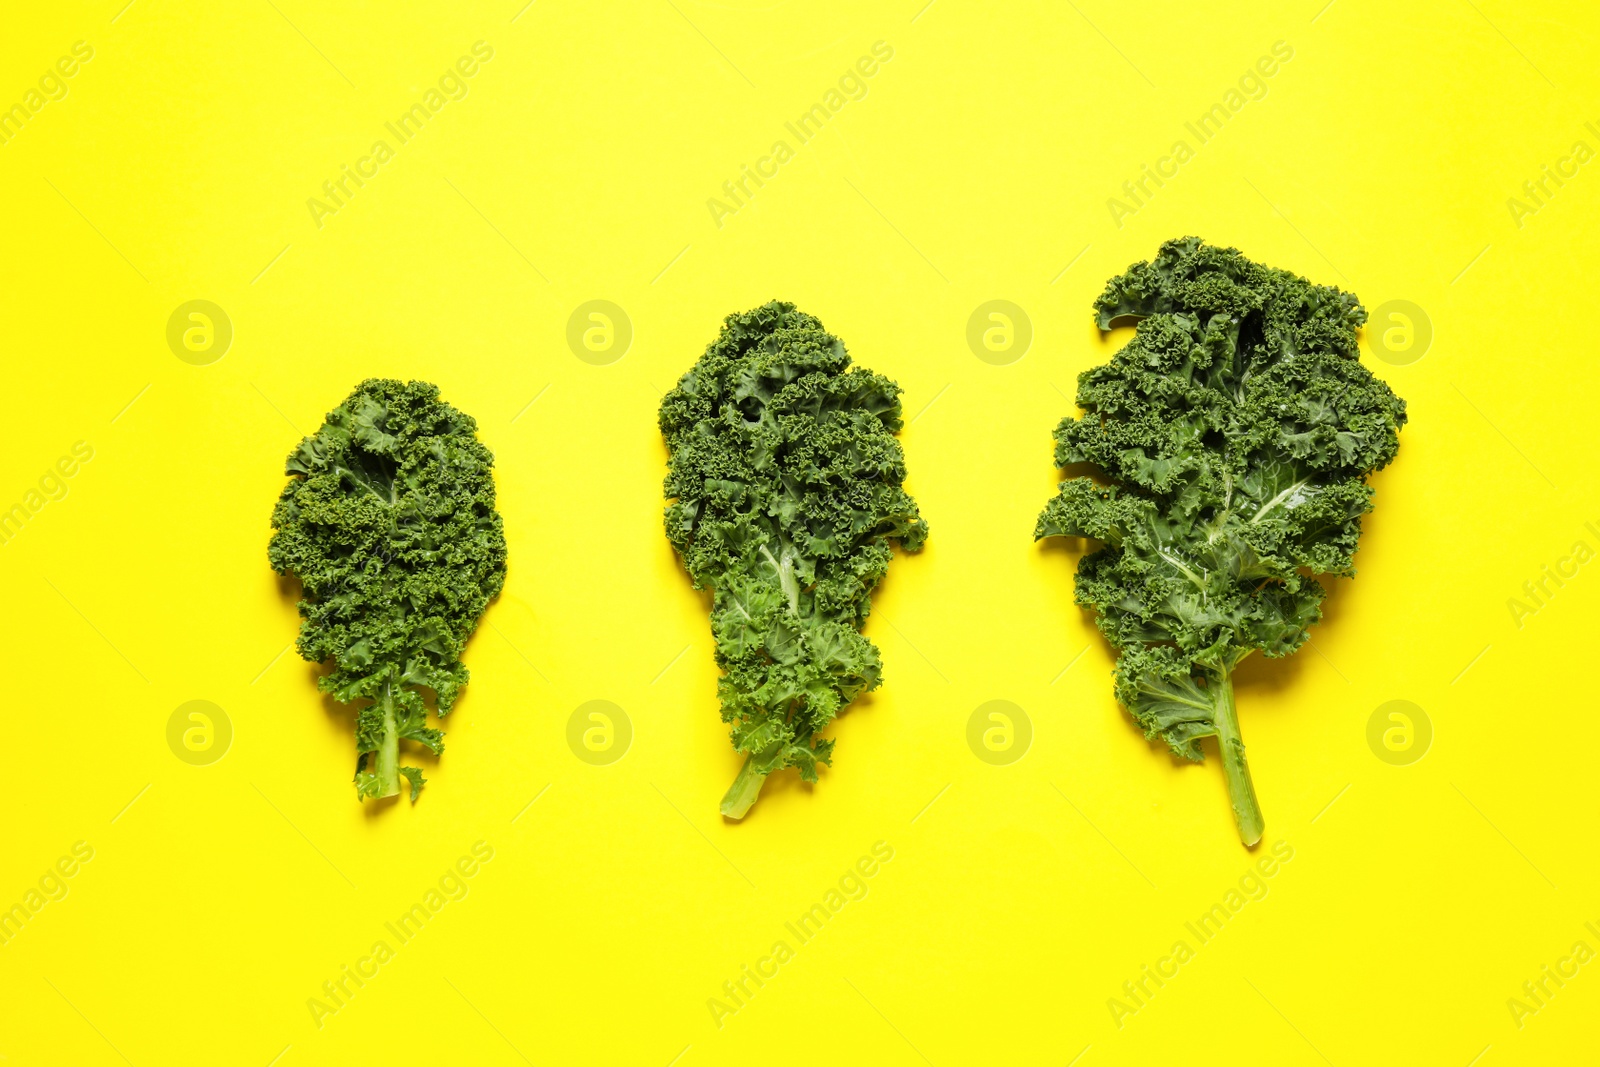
[387,770]
[1241,790]
[746,788]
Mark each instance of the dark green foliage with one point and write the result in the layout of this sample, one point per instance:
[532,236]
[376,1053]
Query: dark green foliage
[785,499]
[1237,429]
[389,522]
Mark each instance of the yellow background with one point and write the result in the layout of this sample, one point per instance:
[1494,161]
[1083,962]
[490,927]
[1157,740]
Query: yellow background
[1020,898]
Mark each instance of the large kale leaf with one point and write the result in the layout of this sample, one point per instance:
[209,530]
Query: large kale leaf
[785,498]
[1237,430]
[389,522]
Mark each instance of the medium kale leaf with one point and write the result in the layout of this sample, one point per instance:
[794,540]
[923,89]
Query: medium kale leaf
[1237,430]
[785,498]
[389,522]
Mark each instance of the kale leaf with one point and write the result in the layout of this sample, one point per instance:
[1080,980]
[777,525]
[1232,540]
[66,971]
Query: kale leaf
[1237,430]
[389,522]
[785,498]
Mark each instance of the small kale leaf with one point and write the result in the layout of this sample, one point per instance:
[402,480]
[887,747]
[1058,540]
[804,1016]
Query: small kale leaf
[389,522]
